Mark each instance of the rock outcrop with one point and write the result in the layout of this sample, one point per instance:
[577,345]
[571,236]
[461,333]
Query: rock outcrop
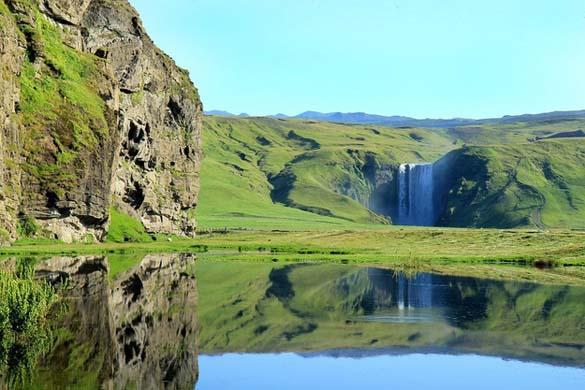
[11,57]
[93,115]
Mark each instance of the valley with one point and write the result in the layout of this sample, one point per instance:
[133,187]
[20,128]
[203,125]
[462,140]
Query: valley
[267,172]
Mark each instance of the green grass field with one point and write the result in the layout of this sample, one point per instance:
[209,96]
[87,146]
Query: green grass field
[410,247]
[266,173]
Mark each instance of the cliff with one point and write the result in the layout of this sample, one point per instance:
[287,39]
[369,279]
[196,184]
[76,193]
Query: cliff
[94,116]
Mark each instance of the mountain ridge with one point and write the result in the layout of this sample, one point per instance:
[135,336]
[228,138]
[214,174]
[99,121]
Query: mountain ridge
[405,121]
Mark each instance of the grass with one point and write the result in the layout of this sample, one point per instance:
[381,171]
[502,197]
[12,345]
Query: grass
[293,174]
[24,332]
[61,108]
[511,133]
[539,184]
[254,168]
[400,245]
[385,245]
[124,228]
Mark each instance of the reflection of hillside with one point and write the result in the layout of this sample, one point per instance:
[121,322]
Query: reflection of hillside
[322,307]
[138,331]
[376,291]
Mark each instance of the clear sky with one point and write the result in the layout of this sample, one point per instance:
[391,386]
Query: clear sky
[421,58]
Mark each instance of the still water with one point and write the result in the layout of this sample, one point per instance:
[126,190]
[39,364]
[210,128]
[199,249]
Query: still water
[172,321]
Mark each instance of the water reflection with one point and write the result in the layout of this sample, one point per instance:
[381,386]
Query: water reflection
[138,321]
[352,311]
[424,297]
[136,331]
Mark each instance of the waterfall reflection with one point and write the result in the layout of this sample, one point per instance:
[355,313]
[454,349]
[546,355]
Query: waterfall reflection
[326,307]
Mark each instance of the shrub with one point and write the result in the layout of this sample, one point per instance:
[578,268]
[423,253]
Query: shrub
[27,226]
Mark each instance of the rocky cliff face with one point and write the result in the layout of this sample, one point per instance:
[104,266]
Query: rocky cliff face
[10,63]
[93,115]
[371,182]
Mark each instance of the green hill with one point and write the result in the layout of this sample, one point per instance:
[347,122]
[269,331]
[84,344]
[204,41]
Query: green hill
[325,172]
[277,173]
[538,184]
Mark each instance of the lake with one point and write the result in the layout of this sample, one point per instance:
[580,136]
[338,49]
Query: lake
[175,321]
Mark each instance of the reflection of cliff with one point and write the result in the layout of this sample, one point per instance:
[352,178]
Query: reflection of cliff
[154,310]
[136,332]
[84,333]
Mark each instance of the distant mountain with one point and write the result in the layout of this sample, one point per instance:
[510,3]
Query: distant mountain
[404,121]
[280,116]
[395,120]
[351,117]
[225,114]
[548,116]
[218,113]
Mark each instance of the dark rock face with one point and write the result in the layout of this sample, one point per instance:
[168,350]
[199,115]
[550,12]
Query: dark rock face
[93,114]
[160,121]
[11,57]
[379,193]
[383,196]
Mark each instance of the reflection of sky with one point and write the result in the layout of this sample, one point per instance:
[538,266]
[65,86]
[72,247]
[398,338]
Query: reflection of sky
[415,371]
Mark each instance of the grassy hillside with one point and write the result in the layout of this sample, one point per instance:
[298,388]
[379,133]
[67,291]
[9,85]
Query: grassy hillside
[515,132]
[539,184]
[254,167]
[290,174]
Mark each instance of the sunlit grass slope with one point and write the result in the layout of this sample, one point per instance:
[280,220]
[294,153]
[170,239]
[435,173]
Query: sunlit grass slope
[538,184]
[514,132]
[294,174]
[254,168]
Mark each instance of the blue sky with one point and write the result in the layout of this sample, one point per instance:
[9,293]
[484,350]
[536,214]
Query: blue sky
[421,58]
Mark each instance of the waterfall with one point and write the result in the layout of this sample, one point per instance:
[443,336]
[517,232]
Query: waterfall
[415,195]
